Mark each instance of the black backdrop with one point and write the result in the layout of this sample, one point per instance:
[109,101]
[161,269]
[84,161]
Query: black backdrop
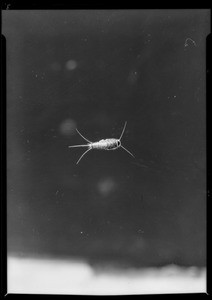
[94,70]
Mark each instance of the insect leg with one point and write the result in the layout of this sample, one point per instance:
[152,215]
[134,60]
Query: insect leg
[127,151]
[83,136]
[125,124]
[83,155]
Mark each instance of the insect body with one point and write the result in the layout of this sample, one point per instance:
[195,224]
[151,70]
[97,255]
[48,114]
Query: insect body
[105,144]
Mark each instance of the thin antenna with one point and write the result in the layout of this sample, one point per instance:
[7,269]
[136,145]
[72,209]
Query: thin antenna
[127,151]
[83,136]
[125,124]
[83,155]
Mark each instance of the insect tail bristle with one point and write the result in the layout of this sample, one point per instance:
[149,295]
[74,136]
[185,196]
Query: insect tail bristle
[77,146]
[83,136]
[83,155]
[127,151]
[125,124]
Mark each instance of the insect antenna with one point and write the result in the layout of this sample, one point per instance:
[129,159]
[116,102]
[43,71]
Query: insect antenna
[83,155]
[83,136]
[125,124]
[127,151]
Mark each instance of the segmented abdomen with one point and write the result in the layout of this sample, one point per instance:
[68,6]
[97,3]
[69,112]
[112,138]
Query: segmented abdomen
[107,144]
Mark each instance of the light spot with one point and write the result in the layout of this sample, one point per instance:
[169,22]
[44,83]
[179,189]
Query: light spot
[171,97]
[71,65]
[106,186]
[67,127]
[132,77]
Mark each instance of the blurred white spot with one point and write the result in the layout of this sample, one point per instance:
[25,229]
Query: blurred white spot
[85,39]
[71,65]
[67,127]
[106,186]
[132,77]
[55,66]
[171,97]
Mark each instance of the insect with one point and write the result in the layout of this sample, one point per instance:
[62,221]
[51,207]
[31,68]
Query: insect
[189,39]
[106,144]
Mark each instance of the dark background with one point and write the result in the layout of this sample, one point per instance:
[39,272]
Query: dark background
[94,70]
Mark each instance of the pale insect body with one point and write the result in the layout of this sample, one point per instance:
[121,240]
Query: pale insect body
[104,144]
